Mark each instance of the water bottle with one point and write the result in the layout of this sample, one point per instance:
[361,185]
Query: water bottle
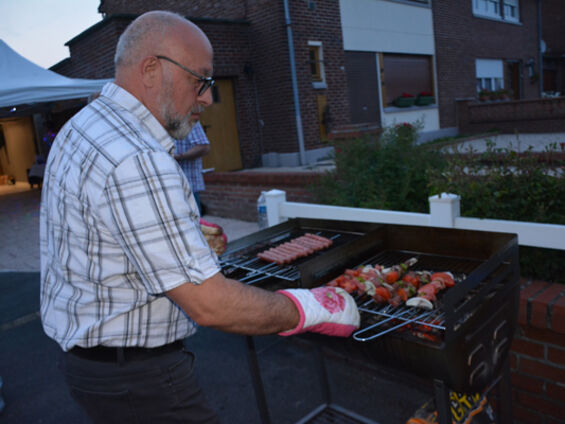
[262,211]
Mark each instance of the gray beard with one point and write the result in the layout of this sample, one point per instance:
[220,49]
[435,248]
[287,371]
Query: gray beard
[178,128]
[176,125]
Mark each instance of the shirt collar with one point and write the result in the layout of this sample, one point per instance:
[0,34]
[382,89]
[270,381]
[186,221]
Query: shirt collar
[126,100]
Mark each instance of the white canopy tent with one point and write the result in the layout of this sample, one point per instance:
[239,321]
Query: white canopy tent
[23,82]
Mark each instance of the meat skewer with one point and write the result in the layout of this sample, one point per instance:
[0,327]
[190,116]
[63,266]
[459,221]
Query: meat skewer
[412,288]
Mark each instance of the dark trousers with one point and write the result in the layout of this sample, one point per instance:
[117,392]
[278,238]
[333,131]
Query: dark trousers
[159,389]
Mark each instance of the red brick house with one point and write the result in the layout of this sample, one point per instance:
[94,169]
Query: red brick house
[353,60]
[553,47]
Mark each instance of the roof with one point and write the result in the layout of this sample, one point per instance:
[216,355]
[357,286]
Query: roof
[24,82]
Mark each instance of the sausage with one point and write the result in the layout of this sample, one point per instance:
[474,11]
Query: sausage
[307,251]
[312,244]
[324,240]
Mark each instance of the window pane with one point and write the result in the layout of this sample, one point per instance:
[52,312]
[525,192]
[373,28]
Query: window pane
[511,9]
[404,73]
[315,63]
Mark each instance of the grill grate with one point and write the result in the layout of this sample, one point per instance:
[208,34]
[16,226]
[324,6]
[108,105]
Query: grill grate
[253,270]
[379,319]
[245,267]
[333,414]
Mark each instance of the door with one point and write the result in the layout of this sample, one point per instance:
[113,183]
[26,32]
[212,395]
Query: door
[514,69]
[363,91]
[219,123]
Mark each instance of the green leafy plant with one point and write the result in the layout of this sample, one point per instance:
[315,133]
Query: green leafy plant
[392,172]
[388,172]
[510,185]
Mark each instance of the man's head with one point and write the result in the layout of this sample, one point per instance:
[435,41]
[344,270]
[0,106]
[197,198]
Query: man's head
[165,61]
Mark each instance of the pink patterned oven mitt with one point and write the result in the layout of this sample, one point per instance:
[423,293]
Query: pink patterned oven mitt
[326,310]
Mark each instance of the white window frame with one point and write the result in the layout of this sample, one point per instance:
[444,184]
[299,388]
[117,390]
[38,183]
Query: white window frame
[489,74]
[322,83]
[495,9]
[516,5]
[487,8]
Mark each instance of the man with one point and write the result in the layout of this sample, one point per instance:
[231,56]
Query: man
[126,274]
[188,152]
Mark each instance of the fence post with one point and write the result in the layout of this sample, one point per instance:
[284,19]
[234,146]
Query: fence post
[444,208]
[273,199]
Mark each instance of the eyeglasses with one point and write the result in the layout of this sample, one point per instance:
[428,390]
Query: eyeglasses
[206,82]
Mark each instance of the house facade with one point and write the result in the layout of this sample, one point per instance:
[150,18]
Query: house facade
[553,47]
[291,73]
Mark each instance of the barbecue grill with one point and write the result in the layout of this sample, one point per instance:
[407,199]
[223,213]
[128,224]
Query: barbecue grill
[463,343]
[240,260]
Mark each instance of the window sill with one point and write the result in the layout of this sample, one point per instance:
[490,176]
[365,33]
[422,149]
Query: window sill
[319,85]
[394,109]
[419,3]
[497,19]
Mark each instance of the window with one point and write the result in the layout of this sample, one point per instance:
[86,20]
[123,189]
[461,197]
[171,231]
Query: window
[405,73]
[490,74]
[511,10]
[316,63]
[507,10]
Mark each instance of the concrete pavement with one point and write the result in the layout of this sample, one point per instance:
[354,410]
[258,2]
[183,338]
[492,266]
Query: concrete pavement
[19,227]
[515,142]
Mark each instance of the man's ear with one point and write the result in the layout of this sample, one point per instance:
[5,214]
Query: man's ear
[150,69]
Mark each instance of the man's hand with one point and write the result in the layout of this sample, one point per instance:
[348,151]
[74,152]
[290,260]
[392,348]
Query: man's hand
[194,153]
[325,310]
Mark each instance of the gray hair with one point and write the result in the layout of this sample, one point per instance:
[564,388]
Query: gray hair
[149,28]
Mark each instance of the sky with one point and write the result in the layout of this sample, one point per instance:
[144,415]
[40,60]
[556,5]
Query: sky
[39,29]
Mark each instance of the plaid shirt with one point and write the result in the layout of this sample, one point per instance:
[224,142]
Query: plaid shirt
[118,228]
[192,168]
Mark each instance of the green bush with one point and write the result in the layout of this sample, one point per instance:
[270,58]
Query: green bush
[393,173]
[504,184]
[386,172]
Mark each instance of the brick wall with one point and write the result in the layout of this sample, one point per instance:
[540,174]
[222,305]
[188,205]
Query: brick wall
[553,27]
[461,38]
[524,116]
[234,194]
[92,52]
[270,52]
[537,357]
[225,9]
[251,47]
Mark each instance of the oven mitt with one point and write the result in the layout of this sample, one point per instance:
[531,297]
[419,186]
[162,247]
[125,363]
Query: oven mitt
[326,310]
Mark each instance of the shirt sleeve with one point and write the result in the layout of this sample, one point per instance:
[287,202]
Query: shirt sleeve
[197,135]
[147,209]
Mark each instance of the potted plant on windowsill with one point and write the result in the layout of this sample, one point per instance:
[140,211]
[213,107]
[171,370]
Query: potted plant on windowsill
[484,95]
[502,95]
[404,100]
[425,98]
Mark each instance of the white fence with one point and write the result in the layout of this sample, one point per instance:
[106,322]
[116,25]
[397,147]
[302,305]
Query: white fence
[444,212]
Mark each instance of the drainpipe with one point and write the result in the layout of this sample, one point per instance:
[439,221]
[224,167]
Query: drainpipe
[540,59]
[294,86]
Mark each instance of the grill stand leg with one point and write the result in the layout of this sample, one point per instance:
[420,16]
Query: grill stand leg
[257,381]
[504,393]
[442,402]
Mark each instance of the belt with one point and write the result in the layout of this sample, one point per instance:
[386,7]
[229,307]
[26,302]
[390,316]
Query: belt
[123,354]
